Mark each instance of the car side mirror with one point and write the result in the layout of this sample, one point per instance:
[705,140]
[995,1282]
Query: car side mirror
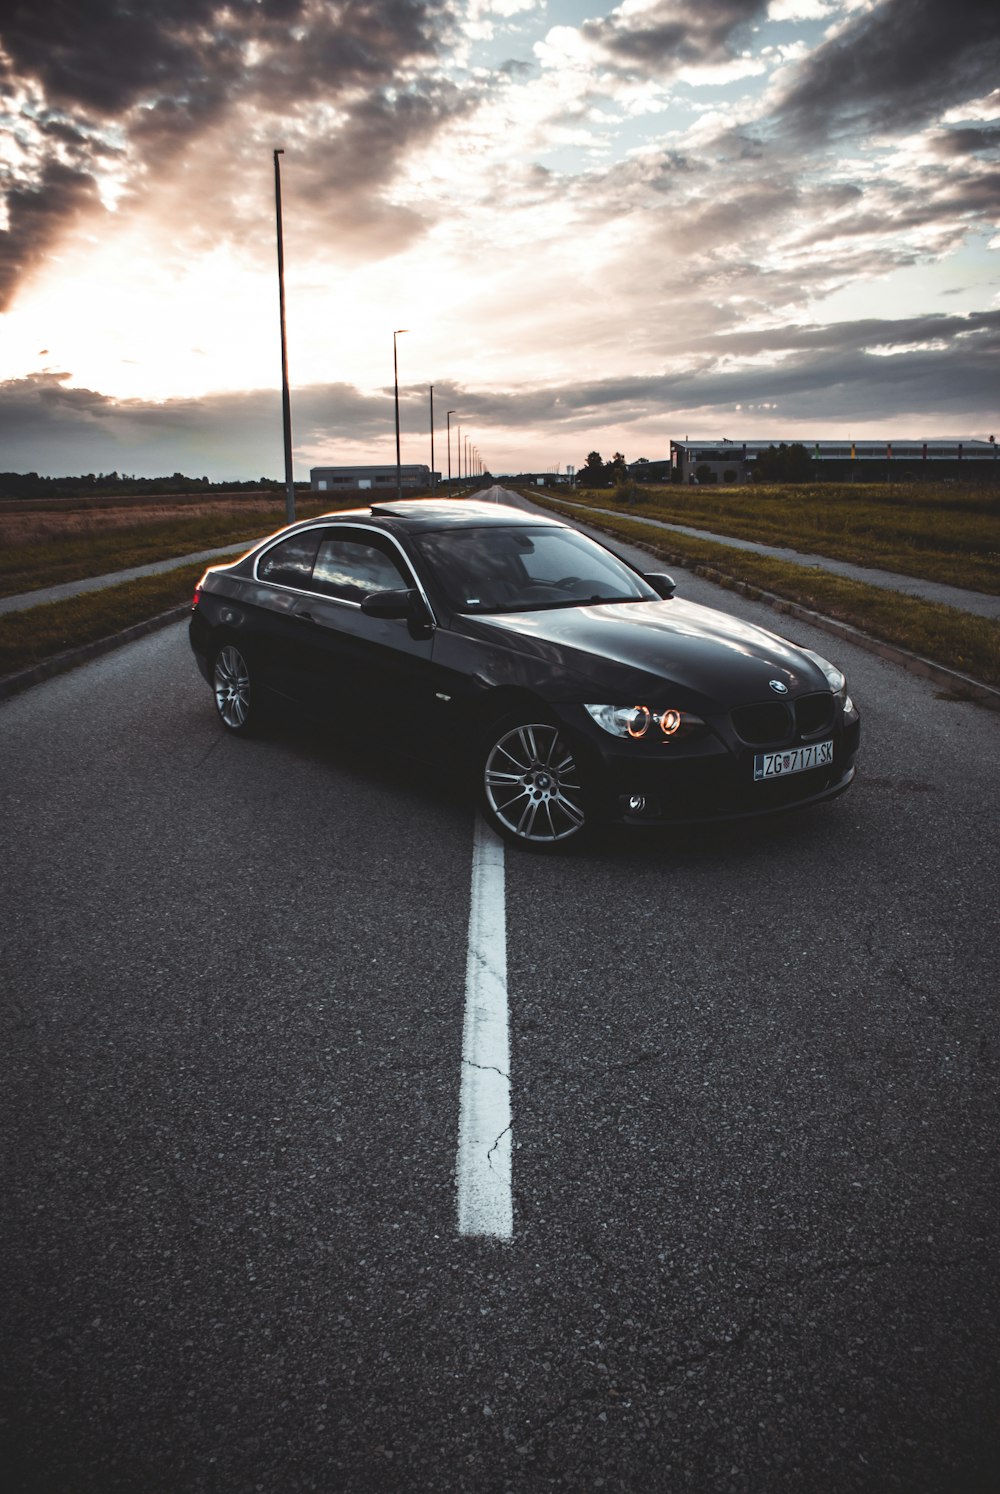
[406,604]
[663,585]
[387,603]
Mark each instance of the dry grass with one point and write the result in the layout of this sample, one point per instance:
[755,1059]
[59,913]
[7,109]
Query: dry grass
[52,524]
[936,531]
[71,545]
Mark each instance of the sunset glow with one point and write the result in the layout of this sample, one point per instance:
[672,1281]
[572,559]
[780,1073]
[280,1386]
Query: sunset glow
[603,229]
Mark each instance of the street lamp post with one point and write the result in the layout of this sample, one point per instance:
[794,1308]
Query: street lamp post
[286,404]
[450,414]
[432,439]
[395,385]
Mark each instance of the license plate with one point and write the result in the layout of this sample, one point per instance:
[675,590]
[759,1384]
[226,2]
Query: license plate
[795,760]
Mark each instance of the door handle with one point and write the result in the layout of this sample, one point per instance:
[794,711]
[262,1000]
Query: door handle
[304,616]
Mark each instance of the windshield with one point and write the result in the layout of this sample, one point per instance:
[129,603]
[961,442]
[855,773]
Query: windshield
[497,569]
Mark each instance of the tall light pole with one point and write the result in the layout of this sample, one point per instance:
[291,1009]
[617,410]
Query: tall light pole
[458,446]
[286,404]
[432,439]
[395,384]
[450,414]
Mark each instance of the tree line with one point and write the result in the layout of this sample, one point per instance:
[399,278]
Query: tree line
[113,484]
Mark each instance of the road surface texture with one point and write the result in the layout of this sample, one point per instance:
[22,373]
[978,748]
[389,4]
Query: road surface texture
[753,1086]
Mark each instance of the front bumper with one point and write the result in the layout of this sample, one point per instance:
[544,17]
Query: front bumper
[704,780]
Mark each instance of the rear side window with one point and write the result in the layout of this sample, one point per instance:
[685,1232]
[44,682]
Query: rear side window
[351,567]
[290,562]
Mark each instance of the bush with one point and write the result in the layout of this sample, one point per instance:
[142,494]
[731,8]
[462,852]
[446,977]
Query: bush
[627,491]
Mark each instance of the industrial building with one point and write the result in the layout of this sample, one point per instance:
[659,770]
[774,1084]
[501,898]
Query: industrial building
[414,476]
[845,461]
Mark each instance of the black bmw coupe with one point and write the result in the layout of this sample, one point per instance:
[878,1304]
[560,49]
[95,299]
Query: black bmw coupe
[584,690]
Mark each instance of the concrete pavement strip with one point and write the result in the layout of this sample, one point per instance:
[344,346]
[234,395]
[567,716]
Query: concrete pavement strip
[28,599]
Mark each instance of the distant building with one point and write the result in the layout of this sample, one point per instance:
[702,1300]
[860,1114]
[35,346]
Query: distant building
[330,479]
[732,461]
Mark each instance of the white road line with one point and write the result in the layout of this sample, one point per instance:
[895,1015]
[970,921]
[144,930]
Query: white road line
[483,1170]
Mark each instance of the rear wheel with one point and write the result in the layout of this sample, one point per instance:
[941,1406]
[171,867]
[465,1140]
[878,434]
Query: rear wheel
[235,697]
[534,792]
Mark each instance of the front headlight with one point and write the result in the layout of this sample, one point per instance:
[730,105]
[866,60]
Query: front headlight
[834,676]
[639,721]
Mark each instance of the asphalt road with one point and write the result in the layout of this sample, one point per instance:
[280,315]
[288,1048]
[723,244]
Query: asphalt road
[754,1086]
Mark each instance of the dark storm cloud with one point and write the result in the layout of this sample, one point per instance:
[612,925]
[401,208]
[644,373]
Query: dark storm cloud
[967,142]
[673,33]
[164,74]
[50,427]
[37,214]
[896,67]
[106,55]
[925,365]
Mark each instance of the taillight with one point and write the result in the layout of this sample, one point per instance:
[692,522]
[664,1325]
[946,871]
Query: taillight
[197,597]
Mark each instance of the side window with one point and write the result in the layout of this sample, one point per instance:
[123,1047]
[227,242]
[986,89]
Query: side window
[290,562]
[349,566]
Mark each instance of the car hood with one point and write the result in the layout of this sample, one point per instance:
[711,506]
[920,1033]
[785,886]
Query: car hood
[712,657]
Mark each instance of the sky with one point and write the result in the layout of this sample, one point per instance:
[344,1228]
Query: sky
[602,228]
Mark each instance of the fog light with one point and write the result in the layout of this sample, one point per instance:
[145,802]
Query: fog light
[636,803]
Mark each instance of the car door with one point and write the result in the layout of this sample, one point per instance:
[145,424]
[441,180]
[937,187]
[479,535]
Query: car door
[282,575]
[353,662]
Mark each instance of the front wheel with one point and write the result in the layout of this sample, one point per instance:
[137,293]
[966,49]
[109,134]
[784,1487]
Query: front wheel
[235,698]
[533,788]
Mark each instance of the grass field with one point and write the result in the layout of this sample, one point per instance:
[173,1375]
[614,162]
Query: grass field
[49,547]
[936,531]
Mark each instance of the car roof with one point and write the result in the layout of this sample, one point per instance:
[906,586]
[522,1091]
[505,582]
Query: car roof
[435,513]
[415,516]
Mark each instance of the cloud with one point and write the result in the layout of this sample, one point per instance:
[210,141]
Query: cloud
[225,435]
[669,34]
[895,66]
[38,214]
[106,95]
[969,141]
[914,373]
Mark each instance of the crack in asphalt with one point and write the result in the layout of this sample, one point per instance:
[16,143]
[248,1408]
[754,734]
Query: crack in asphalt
[489,1154]
[214,748]
[487,1068]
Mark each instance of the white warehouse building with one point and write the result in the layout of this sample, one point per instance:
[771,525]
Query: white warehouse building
[415,475]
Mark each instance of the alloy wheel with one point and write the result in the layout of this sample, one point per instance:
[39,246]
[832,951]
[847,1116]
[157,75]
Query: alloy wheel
[533,786]
[231,682]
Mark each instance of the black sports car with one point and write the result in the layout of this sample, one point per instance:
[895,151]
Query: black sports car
[585,691]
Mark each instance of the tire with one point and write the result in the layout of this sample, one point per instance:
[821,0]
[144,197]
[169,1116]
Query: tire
[235,697]
[534,792]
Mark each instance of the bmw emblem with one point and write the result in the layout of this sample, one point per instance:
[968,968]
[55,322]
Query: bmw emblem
[778,687]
